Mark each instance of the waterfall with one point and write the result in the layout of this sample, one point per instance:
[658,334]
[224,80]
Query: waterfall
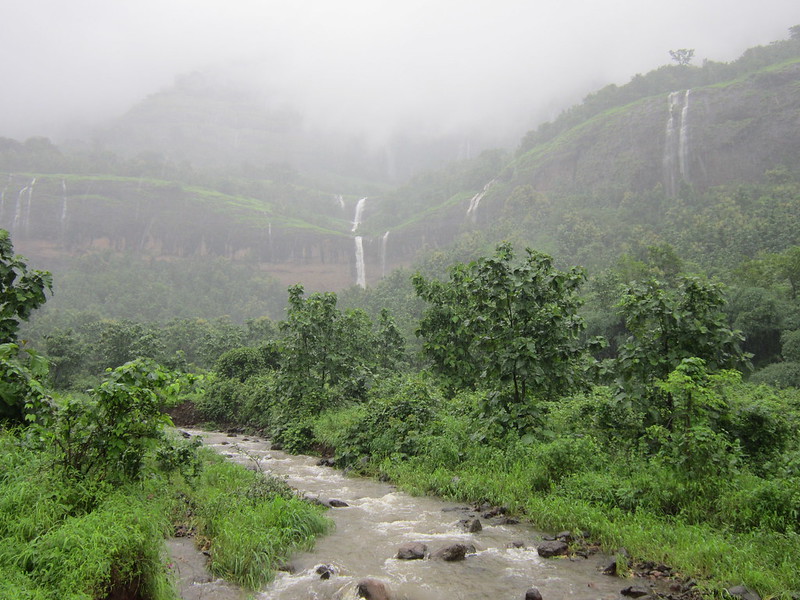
[676,141]
[476,200]
[683,139]
[27,219]
[359,211]
[63,205]
[18,209]
[3,198]
[384,241]
[361,277]
[339,200]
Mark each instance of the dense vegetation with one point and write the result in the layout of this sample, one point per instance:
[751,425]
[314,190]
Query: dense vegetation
[648,396]
[656,444]
[91,483]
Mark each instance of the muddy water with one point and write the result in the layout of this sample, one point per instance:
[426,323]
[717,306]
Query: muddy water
[379,518]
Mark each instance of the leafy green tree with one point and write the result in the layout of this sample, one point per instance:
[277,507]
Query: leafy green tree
[22,396]
[513,327]
[21,290]
[667,326]
[107,437]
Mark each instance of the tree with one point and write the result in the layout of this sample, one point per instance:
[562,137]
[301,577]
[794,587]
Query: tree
[667,326]
[794,32]
[682,56]
[21,290]
[22,396]
[512,327]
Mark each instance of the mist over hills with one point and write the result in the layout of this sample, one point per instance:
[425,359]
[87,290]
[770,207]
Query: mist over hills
[204,170]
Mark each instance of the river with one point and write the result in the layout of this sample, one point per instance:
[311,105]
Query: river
[379,518]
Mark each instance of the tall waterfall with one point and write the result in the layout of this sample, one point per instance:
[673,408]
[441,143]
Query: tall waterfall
[384,241]
[63,205]
[361,276]
[3,198]
[476,200]
[359,212]
[676,142]
[683,139]
[18,210]
[339,201]
[27,217]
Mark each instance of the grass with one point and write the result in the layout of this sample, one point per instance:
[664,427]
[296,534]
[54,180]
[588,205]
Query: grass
[764,561]
[253,521]
[79,541]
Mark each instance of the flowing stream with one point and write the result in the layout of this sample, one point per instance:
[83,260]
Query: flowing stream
[378,519]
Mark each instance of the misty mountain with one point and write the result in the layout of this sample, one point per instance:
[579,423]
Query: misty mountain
[650,162]
[209,121]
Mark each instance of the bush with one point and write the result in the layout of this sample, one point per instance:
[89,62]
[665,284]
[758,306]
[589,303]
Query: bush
[780,375]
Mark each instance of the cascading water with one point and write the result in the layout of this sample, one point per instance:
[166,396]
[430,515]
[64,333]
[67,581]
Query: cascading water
[27,222]
[384,242]
[339,200]
[63,205]
[476,200]
[361,276]
[18,210]
[3,198]
[683,139]
[676,141]
[378,519]
[359,212]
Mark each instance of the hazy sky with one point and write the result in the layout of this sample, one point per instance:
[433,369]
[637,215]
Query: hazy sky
[368,64]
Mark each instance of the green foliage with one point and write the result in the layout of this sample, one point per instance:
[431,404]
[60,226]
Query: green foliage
[107,436]
[513,328]
[254,521]
[21,290]
[22,395]
[668,325]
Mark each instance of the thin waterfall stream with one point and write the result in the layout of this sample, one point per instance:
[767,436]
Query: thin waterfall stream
[376,519]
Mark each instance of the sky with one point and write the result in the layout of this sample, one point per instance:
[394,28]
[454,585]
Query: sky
[372,66]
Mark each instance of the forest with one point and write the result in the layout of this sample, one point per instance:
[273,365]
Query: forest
[624,363]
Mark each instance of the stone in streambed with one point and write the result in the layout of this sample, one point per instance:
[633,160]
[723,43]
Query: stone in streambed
[412,551]
[451,553]
[325,571]
[744,593]
[373,589]
[552,548]
[635,591]
[533,594]
[471,525]
[333,503]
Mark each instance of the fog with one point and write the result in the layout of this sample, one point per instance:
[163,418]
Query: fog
[369,66]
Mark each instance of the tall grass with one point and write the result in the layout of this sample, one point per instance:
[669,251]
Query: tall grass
[254,522]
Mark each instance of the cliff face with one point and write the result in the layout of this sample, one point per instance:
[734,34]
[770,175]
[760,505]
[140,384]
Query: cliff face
[704,137]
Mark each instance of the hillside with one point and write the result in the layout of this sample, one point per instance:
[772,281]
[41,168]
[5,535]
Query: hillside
[648,162]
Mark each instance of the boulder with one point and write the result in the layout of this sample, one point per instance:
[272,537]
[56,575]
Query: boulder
[333,503]
[412,551]
[451,553]
[533,594]
[635,591]
[472,525]
[744,593]
[552,548]
[326,462]
[373,589]
[325,571]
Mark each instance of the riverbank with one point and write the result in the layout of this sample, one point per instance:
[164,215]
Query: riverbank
[85,540]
